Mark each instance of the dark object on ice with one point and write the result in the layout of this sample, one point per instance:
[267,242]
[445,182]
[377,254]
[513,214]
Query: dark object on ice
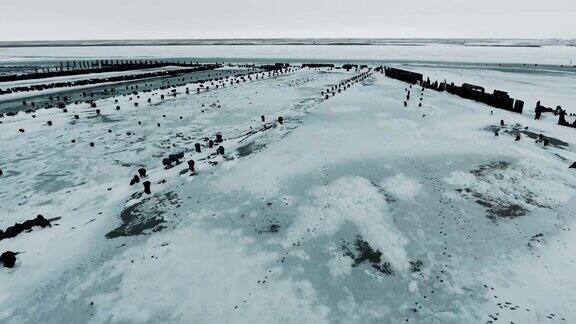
[136,104]
[197,147]
[405,104]
[18,228]
[117,107]
[496,133]
[562,119]
[175,158]
[518,106]
[262,117]
[8,259]
[210,143]
[76,117]
[366,254]
[272,228]
[501,122]
[538,110]
[49,123]
[1,172]
[546,142]
[416,266]
[41,221]
[517,138]
[147,187]
[134,180]
[191,164]
[403,75]
[91,144]
[21,130]
[13,231]
[558,110]
[498,99]
[540,137]
[317,65]
[573,166]
[281,120]
[220,150]
[172,159]
[142,172]
[219,138]
[28,224]
[97,111]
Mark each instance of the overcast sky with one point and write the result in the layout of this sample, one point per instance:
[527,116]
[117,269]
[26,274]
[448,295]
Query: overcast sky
[142,19]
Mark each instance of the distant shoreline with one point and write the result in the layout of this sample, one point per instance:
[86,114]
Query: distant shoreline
[297,41]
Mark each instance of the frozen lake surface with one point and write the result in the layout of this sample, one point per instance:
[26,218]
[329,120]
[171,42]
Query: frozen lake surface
[354,209]
[554,54]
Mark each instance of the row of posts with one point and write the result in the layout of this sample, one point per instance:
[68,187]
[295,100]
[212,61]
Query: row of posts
[98,64]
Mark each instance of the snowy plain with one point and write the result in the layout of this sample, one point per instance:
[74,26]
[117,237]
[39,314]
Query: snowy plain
[355,210]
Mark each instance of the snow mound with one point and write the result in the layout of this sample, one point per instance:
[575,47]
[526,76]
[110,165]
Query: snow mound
[355,200]
[402,187]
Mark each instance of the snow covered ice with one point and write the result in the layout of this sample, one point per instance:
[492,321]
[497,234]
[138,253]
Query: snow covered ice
[355,209]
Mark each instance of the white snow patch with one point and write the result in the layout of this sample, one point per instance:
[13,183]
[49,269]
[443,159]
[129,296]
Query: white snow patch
[339,265]
[413,286]
[525,183]
[402,187]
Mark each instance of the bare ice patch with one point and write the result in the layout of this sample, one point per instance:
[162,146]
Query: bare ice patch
[511,190]
[399,124]
[193,275]
[144,216]
[345,109]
